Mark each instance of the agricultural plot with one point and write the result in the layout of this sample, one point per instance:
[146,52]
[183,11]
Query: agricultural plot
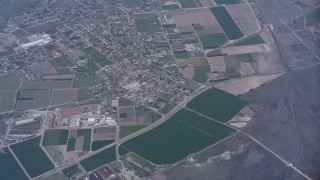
[217,104]
[170,7]
[252,40]
[213,40]
[96,56]
[217,64]
[9,82]
[61,84]
[126,115]
[240,65]
[201,73]
[244,17]
[7,100]
[71,144]
[229,2]
[147,23]
[55,137]
[31,156]
[99,159]
[86,134]
[227,23]
[192,62]
[174,140]
[187,54]
[207,3]
[189,3]
[61,64]
[72,170]
[63,96]
[163,105]
[132,3]
[10,169]
[100,144]
[126,130]
[32,99]
[313,19]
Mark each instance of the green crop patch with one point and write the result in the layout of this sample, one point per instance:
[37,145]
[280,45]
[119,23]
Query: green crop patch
[217,104]
[170,7]
[55,137]
[96,56]
[31,156]
[148,23]
[71,144]
[183,134]
[100,144]
[212,40]
[99,159]
[256,39]
[132,3]
[226,22]
[201,73]
[9,82]
[126,130]
[10,169]
[61,62]
[229,2]
[189,3]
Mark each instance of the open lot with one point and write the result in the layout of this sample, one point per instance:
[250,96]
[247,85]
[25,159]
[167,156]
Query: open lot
[126,130]
[7,100]
[32,157]
[217,104]
[32,99]
[10,169]
[227,23]
[55,137]
[183,134]
[99,159]
[147,23]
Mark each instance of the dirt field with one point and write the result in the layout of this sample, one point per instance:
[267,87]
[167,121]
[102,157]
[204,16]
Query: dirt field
[188,72]
[207,3]
[79,143]
[62,96]
[246,49]
[244,17]
[100,137]
[41,69]
[201,16]
[193,62]
[217,63]
[241,86]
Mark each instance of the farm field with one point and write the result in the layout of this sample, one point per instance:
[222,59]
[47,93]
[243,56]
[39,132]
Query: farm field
[72,170]
[55,137]
[61,84]
[183,134]
[99,144]
[228,2]
[170,7]
[86,134]
[32,99]
[227,23]
[71,144]
[61,64]
[126,130]
[10,169]
[132,3]
[189,3]
[31,156]
[63,96]
[96,56]
[217,104]
[7,100]
[147,23]
[99,159]
[252,40]
[9,82]
[201,73]
[213,40]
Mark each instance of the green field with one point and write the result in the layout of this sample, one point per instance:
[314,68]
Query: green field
[182,55]
[126,130]
[99,144]
[7,100]
[167,108]
[99,58]
[10,169]
[217,104]
[298,47]
[313,19]
[132,3]
[61,84]
[71,144]
[31,156]
[148,23]
[226,22]
[55,137]
[9,82]
[61,62]
[183,134]
[99,159]
[256,39]
[87,138]
[170,7]
[189,3]
[213,40]
[201,73]
[229,2]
